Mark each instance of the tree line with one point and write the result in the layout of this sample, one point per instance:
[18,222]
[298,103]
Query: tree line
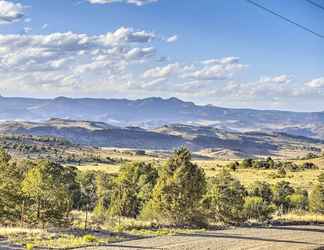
[178,193]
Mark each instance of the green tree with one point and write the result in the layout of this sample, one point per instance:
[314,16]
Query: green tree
[299,200]
[225,199]
[257,208]
[271,162]
[247,163]
[282,191]
[316,199]
[47,193]
[133,188]
[179,190]
[104,192]
[263,190]
[11,201]
[88,189]
[88,186]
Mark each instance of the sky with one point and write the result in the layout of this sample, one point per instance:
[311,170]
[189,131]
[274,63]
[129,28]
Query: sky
[223,52]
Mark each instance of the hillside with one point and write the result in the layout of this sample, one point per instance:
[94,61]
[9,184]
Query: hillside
[206,140]
[155,112]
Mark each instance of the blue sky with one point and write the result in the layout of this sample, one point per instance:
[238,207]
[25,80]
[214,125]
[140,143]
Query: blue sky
[226,53]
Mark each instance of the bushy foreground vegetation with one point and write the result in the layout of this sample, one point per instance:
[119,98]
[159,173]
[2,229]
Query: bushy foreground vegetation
[44,194]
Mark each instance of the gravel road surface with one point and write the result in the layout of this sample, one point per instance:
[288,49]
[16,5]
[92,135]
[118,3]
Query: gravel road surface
[282,238]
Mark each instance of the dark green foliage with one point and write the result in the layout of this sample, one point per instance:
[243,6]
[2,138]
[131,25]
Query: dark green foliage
[262,190]
[234,166]
[282,172]
[48,189]
[224,200]
[133,188]
[316,199]
[177,194]
[269,163]
[88,198]
[256,208]
[247,163]
[309,165]
[104,192]
[11,197]
[282,191]
[104,188]
[299,201]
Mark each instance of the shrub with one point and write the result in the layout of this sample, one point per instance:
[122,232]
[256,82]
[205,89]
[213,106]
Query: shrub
[298,201]
[316,199]
[225,199]
[282,191]
[29,246]
[282,172]
[89,238]
[233,166]
[256,208]
[263,190]
[247,163]
[309,165]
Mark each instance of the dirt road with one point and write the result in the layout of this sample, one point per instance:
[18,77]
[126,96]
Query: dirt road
[290,237]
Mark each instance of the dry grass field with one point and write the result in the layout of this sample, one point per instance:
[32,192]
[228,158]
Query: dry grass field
[304,179]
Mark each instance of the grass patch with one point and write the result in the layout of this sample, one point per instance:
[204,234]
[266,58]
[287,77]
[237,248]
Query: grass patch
[300,218]
[37,238]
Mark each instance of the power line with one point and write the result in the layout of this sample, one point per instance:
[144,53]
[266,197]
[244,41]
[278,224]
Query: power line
[315,4]
[285,18]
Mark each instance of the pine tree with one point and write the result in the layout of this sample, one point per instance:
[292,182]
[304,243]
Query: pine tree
[48,196]
[224,200]
[11,201]
[133,189]
[179,190]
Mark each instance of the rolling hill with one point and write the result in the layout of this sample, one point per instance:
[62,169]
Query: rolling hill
[206,140]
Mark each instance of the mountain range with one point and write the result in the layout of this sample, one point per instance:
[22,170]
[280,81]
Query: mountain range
[155,112]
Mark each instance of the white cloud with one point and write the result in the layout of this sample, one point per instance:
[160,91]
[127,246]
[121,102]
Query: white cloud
[140,53]
[209,70]
[10,12]
[59,60]
[316,83]
[162,72]
[136,2]
[127,35]
[222,61]
[172,39]
[216,69]
[281,79]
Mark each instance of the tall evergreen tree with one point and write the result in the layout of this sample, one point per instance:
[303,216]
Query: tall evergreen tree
[179,190]
[133,189]
[11,201]
[224,200]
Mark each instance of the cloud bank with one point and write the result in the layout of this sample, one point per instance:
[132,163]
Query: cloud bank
[10,12]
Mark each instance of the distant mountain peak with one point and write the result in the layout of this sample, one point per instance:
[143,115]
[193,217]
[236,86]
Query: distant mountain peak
[153,112]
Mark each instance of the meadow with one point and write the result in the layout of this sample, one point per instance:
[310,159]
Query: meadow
[303,179]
